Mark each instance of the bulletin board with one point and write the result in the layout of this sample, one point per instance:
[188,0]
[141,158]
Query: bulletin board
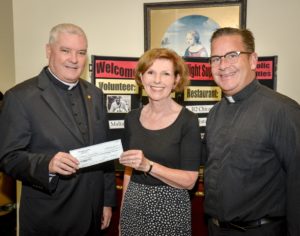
[115,76]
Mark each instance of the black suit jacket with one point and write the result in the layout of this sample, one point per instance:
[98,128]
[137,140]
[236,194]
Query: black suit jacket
[35,124]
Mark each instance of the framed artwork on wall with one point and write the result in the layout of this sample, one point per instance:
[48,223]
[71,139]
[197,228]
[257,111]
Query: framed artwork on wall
[178,25]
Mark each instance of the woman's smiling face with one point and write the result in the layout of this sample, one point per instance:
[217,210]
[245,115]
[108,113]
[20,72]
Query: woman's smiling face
[159,80]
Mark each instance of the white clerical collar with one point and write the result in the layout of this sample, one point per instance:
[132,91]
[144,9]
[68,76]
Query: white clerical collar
[71,85]
[230,99]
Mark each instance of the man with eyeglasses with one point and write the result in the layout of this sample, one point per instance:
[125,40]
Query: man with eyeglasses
[252,170]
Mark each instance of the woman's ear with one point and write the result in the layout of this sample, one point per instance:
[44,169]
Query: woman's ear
[176,81]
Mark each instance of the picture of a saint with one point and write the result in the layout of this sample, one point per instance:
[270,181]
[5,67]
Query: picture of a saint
[189,36]
[195,47]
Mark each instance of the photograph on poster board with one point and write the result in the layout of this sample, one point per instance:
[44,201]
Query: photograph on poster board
[118,103]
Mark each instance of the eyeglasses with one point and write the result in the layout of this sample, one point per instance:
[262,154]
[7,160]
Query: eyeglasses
[229,57]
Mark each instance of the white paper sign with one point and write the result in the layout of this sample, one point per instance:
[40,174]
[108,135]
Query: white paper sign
[98,153]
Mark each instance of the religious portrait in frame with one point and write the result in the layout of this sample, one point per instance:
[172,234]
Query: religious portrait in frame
[186,27]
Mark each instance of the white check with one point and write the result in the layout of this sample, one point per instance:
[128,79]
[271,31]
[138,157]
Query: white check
[98,153]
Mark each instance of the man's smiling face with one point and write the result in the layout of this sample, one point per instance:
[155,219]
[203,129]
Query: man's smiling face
[232,78]
[67,56]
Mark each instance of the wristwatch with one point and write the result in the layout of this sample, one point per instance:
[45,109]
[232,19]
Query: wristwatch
[150,168]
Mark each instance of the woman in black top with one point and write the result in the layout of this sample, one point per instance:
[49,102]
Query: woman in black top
[163,146]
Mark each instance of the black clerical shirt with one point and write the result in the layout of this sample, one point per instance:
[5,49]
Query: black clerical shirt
[73,99]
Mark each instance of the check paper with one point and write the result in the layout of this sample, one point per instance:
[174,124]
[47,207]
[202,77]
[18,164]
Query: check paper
[98,153]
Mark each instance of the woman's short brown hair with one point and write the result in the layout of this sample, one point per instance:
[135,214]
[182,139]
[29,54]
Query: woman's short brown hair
[180,67]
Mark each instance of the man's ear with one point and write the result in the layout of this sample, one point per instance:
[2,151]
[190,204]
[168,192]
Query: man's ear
[253,60]
[48,50]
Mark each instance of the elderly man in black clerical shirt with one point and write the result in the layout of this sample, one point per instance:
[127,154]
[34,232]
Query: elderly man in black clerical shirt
[43,119]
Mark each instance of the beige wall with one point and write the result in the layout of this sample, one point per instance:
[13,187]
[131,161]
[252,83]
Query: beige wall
[7,66]
[116,28]
[275,24]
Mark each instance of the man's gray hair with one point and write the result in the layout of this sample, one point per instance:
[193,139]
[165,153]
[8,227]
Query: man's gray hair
[65,28]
